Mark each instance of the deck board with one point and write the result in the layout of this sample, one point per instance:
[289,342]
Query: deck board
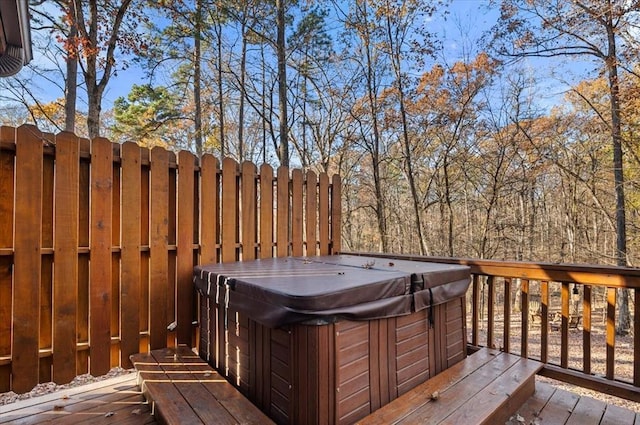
[588,411]
[85,404]
[615,415]
[185,390]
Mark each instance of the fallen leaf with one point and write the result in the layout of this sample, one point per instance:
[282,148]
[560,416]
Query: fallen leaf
[109,414]
[435,395]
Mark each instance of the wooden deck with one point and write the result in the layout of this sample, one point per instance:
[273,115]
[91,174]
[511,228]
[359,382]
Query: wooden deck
[90,404]
[113,401]
[184,389]
[551,405]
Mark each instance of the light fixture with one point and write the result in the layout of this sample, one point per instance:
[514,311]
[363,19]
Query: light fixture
[15,36]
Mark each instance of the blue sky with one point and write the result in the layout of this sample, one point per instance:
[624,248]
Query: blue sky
[465,23]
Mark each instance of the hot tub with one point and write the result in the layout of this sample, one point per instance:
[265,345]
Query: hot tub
[328,340]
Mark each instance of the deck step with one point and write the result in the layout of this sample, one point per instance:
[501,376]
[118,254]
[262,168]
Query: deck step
[485,388]
[185,390]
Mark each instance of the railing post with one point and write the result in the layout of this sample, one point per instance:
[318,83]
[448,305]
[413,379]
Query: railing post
[490,312]
[544,321]
[586,329]
[611,331]
[475,296]
[524,312]
[564,329]
[506,343]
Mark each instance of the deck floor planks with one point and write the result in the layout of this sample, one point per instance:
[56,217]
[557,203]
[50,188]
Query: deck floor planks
[120,395]
[615,415]
[588,411]
[186,390]
[208,409]
[560,407]
[533,406]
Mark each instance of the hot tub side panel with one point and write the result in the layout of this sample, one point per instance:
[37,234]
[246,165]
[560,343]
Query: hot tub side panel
[454,334]
[335,373]
[414,352]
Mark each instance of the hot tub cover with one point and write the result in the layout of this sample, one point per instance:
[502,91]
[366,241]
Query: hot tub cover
[318,290]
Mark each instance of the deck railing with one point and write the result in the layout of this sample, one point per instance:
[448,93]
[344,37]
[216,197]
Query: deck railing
[563,315]
[98,242]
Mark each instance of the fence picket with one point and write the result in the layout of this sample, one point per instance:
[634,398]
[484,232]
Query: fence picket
[312,212]
[84,242]
[100,278]
[282,214]
[209,209]
[158,249]
[248,210]
[229,210]
[185,263]
[297,217]
[336,214]
[7,138]
[266,211]
[65,282]
[27,258]
[323,214]
[130,253]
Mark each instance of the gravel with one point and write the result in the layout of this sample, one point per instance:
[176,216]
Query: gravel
[50,387]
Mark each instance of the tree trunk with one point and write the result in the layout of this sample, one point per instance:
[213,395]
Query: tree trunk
[243,70]
[282,84]
[394,53]
[95,88]
[221,134]
[71,83]
[380,208]
[624,317]
[94,96]
[197,77]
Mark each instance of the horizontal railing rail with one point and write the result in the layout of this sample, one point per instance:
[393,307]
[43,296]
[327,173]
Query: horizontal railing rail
[549,312]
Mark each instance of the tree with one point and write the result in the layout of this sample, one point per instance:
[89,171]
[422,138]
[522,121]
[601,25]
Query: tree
[400,34]
[314,105]
[602,30]
[281,51]
[365,112]
[103,28]
[146,116]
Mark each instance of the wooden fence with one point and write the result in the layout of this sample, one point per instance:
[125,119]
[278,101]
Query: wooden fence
[98,242]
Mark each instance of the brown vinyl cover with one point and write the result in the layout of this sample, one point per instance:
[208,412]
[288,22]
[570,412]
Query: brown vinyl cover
[281,291]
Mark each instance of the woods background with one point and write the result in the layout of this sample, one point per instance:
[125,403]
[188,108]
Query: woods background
[506,130]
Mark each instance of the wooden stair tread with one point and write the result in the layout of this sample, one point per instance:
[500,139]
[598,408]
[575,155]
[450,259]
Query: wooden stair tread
[486,387]
[183,389]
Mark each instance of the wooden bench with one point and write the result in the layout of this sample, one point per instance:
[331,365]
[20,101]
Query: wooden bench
[485,388]
[574,322]
[183,389]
